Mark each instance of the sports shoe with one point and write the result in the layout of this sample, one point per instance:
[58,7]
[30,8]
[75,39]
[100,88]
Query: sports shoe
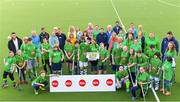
[14,85]
[36,92]
[5,85]
[168,93]
[156,88]
[133,98]
[127,90]
[42,88]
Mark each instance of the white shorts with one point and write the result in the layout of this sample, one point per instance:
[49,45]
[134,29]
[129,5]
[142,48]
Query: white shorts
[83,64]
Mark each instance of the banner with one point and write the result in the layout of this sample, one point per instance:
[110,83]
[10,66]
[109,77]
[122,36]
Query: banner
[82,83]
[91,56]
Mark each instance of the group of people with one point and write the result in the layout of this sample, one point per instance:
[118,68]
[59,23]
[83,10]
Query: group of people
[138,59]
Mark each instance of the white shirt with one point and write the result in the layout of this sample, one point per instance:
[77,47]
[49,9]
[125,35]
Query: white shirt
[16,44]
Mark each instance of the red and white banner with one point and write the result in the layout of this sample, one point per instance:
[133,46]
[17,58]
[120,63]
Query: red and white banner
[82,83]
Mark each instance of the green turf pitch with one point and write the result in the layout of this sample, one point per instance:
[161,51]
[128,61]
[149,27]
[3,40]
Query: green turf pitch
[22,16]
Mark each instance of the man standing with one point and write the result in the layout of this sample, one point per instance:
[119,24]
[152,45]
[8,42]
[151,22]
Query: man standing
[102,38]
[117,28]
[61,37]
[165,42]
[43,35]
[15,43]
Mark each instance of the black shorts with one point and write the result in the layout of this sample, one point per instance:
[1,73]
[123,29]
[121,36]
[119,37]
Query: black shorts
[11,76]
[56,66]
[102,67]
[69,61]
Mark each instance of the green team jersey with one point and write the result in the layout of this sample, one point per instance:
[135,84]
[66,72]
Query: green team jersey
[143,77]
[142,61]
[56,56]
[23,48]
[124,58]
[83,49]
[9,61]
[168,73]
[136,47]
[133,60]
[116,53]
[103,53]
[122,35]
[150,53]
[128,43]
[152,41]
[121,74]
[31,51]
[20,60]
[69,48]
[157,64]
[94,47]
[45,46]
[95,33]
[169,53]
[75,56]
[40,79]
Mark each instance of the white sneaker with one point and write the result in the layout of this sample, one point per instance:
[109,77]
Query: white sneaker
[156,88]
[150,86]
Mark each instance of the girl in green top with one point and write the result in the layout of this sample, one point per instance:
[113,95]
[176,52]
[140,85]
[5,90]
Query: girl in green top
[171,51]
[104,55]
[152,40]
[56,56]
[141,60]
[20,64]
[167,76]
[122,78]
[129,41]
[69,52]
[45,48]
[136,46]
[9,69]
[155,68]
[94,48]
[132,65]
[116,57]
[75,59]
[23,47]
[142,80]
[124,56]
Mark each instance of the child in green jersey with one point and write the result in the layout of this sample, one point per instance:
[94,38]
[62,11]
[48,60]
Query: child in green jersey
[142,80]
[122,78]
[167,76]
[124,56]
[142,61]
[155,64]
[40,82]
[94,48]
[116,57]
[9,69]
[69,52]
[84,47]
[20,64]
[132,65]
[56,56]
[45,48]
[31,59]
[75,59]
[104,55]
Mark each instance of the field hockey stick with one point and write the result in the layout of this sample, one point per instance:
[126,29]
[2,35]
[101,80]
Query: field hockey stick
[73,64]
[143,92]
[163,79]
[19,76]
[130,76]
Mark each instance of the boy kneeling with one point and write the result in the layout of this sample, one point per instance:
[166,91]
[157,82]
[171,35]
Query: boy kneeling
[122,78]
[40,82]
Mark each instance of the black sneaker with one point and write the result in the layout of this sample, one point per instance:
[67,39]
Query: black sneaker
[14,85]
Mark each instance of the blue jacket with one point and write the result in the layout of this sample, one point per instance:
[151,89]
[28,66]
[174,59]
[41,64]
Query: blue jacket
[36,41]
[165,42]
[117,29]
[109,35]
[102,38]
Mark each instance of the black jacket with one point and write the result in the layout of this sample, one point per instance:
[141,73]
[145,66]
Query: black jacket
[11,45]
[43,35]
